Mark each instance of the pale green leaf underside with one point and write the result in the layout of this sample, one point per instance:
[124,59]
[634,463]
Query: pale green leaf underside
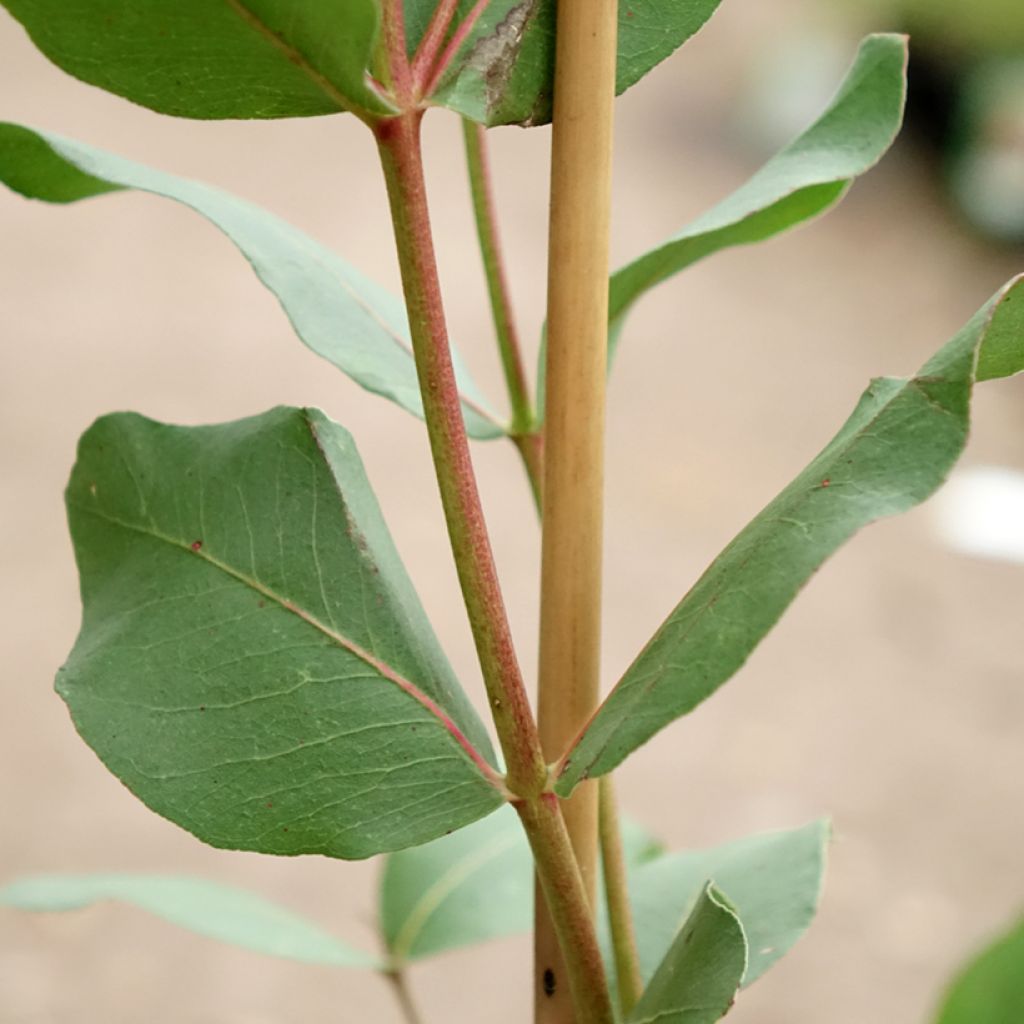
[215,58]
[697,981]
[504,74]
[341,315]
[253,662]
[773,881]
[990,990]
[894,451]
[217,911]
[801,181]
[470,887]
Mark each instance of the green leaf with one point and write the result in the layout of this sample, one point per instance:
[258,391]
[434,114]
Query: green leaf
[469,887]
[340,314]
[253,662]
[220,912]
[233,58]
[697,981]
[800,182]
[894,451]
[773,880]
[504,73]
[990,990]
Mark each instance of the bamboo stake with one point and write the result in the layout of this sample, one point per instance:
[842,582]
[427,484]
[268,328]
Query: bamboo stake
[570,632]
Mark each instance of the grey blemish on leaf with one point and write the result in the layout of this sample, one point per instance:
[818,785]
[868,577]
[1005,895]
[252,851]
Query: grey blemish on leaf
[494,54]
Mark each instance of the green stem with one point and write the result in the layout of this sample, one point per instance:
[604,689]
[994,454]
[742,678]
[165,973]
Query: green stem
[401,989]
[566,899]
[398,140]
[497,281]
[524,429]
[616,888]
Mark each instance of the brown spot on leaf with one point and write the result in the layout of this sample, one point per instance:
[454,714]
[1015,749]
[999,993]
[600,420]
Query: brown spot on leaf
[196,545]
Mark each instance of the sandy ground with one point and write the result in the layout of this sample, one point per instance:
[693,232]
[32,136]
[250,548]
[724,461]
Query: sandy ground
[890,697]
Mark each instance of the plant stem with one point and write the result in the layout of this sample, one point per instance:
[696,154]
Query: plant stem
[393,40]
[433,39]
[401,988]
[562,888]
[616,888]
[570,632]
[398,140]
[497,281]
[524,429]
[399,144]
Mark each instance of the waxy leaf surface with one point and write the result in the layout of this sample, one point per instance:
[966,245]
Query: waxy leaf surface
[773,881]
[804,179]
[504,72]
[991,988]
[341,315]
[697,981]
[220,912]
[253,662]
[895,450]
[219,59]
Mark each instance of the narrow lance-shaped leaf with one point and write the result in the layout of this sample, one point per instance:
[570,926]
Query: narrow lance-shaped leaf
[253,662]
[697,981]
[804,179]
[990,990]
[341,315]
[229,59]
[894,451]
[220,912]
[504,73]
[773,881]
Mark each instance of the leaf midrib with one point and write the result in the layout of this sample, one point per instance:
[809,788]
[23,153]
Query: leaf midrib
[434,897]
[342,641]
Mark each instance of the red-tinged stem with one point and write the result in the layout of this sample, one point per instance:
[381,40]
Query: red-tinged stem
[459,36]
[398,140]
[430,45]
[394,45]
[565,895]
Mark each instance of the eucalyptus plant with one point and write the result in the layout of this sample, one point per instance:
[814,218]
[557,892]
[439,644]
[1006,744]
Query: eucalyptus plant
[254,663]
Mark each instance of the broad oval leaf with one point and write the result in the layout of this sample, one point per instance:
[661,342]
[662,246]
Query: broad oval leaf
[221,912]
[894,451]
[471,887]
[253,662]
[773,881]
[698,980]
[341,315]
[803,180]
[504,73]
[990,990]
[230,59]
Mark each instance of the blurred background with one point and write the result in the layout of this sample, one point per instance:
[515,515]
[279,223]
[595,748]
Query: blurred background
[890,697]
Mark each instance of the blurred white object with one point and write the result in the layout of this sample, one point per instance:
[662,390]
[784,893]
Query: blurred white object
[980,512]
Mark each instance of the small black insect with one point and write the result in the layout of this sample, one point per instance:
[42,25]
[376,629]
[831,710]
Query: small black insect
[549,982]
